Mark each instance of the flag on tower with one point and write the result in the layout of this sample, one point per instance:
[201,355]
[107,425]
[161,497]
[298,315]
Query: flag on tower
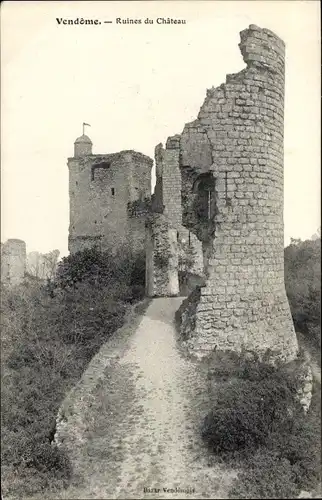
[85,124]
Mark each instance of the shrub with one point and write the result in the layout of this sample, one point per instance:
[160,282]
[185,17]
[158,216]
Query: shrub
[266,475]
[139,207]
[47,457]
[101,268]
[256,411]
[247,412]
[301,446]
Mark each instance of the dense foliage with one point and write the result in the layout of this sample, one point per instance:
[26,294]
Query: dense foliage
[49,334]
[266,475]
[303,286]
[256,413]
[101,269]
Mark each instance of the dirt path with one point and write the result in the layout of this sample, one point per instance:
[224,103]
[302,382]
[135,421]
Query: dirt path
[137,434]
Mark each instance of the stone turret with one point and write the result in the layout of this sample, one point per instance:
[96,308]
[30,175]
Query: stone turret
[82,146]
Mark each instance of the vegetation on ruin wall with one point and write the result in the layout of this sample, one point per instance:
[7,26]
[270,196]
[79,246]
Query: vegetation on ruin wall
[186,260]
[303,287]
[50,333]
[257,424]
[161,260]
[139,207]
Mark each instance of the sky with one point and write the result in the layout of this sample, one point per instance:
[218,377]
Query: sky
[136,84]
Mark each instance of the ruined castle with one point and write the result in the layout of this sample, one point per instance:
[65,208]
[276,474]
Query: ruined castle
[218,199]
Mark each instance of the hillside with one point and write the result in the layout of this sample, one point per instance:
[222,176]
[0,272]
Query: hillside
[133,411]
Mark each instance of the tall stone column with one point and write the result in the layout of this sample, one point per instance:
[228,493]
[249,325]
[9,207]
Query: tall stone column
[161,257]
[13,261]
[231,161]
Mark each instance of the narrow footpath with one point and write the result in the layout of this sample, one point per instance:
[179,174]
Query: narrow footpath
[135,433]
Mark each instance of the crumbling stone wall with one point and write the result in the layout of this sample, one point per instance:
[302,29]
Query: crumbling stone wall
[171,180]
[238,140]
[13,261]
[166,200]
[162,257]
[101,187]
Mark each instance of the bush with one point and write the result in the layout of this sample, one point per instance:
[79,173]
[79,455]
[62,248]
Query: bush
[256,412]
[101,268]
[301,446]
[47,457]
[266,475]
[248,409]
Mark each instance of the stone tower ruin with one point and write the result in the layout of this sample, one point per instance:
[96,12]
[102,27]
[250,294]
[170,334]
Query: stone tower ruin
[13,261]
[107,196]
[231,161]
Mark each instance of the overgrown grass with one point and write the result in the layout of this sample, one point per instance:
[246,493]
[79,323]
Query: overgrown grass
[257,423]
[49,334]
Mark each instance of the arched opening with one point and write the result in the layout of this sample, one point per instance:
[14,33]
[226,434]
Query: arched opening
[205,202]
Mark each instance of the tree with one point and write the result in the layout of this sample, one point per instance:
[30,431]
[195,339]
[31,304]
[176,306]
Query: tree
[43,266]
[34,264]
[303,286]
[317,235]
[51,262]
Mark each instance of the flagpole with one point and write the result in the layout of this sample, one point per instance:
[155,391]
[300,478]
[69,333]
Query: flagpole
[85,125]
